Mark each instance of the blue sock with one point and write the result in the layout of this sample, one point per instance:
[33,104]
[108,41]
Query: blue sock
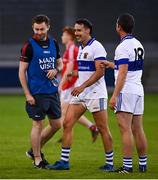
[65,153]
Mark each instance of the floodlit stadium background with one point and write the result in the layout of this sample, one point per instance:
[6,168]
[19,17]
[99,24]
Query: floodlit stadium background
[15,28]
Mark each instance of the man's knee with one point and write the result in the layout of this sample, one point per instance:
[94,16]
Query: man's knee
[67,124]
[103,129]
[55,124]
[37,124]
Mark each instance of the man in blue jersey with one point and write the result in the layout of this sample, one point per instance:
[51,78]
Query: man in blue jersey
[39,63]
[128,97]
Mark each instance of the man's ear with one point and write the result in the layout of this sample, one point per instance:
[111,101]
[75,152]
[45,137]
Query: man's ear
[120,28]
[48,27]
[87,30]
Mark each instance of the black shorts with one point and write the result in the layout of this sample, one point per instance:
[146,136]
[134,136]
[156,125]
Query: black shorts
[46,104]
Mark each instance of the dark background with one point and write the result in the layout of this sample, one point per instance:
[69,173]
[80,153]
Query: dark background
[16,15]
[15,29]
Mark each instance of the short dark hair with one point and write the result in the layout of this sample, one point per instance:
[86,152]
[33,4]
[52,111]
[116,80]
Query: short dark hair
[126,21]
[86,23]
[40,18]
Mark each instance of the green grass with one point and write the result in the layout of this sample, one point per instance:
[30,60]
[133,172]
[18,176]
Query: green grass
[85,157]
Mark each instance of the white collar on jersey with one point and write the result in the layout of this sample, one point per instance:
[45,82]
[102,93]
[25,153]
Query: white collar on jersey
[88,43]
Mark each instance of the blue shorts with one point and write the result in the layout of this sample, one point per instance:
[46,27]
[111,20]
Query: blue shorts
[46,104]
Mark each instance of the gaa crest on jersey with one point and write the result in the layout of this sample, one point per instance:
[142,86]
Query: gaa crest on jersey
[85,55]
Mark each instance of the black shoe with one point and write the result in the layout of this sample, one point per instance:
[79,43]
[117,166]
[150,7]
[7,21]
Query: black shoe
[41,165]
[30,154]
[124,170]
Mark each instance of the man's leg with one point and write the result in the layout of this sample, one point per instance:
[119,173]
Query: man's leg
[85,122]
[101,120]
[82,120]
[140,140]
[64,107]
[36,139]
[49,131]
[73,113]
[125,124]
[65,99]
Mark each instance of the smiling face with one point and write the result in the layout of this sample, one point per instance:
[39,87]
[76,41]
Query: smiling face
[82,33]
[41,30]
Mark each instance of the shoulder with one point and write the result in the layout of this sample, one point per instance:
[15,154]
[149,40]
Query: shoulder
[138,42]
[123,46]
[54,40]
[26,47]
[97,47]
[96,44]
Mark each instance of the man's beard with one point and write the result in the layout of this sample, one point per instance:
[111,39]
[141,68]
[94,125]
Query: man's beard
[41,37]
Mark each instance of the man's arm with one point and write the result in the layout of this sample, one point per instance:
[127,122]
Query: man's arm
[68,72]
[123,69]
[70,65]
[94,78]
[22,77]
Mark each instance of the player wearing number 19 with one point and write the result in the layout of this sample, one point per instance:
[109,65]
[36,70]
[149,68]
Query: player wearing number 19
[128,97]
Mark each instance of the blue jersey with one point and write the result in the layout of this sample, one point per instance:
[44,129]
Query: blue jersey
[43,60]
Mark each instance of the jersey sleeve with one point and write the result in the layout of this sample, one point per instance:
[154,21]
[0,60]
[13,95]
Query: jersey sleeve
[26,52]
[122,55]
[99,52]
[57,49]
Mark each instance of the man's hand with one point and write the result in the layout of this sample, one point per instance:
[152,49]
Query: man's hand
[112,102]
[30,99]
[107,64]
[51,73]
[77,90]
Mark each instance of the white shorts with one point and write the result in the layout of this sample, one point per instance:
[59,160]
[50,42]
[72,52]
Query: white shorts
[131,103]
[93,105]
[65,95]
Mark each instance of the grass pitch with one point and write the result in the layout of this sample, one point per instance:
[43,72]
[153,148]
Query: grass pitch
[86,156]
